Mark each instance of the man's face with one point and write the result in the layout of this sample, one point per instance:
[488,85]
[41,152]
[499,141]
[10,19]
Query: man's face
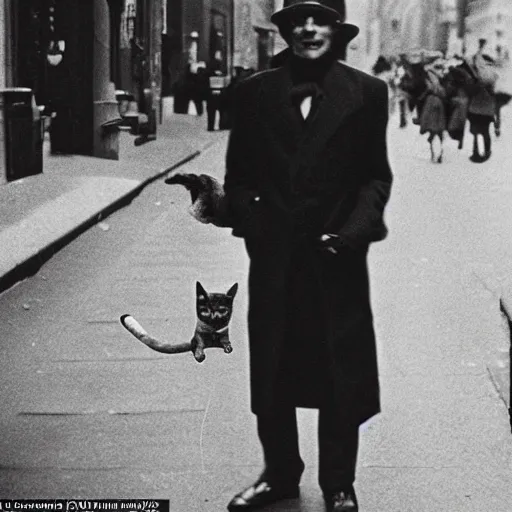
[312,35]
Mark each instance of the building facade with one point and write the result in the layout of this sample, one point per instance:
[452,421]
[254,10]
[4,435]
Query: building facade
[398,26]
[254,34]
[490,20]
[196,31]
[208,31]
[74,55]
[3,81]
[357,13]
[3,45]
[449,39]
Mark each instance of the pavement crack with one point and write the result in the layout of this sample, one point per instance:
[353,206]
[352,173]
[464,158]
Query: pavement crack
[56,413]
[181,411]
[112,360]
[38,469]
[92,322]
[497,388]
[384,466]
[201,437]
[64,468]
[484,284]
[109,412]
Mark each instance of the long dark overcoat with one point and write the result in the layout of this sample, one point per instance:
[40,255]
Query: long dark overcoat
[288,181]
[433,114]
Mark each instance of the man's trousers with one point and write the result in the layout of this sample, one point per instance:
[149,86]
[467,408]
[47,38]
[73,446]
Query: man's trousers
[337,442]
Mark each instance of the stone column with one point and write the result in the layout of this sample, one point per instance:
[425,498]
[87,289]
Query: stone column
[3,44]
[105,110]
[156,56]
[4,40]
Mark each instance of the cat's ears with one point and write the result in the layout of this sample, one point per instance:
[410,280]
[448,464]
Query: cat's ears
[232,291]
[200,290]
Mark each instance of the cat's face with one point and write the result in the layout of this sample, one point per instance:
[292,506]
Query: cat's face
[214,309]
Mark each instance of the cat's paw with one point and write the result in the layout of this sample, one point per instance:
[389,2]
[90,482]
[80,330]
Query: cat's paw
[228,349]
[200,357]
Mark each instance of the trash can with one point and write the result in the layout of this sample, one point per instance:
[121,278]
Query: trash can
[23,134]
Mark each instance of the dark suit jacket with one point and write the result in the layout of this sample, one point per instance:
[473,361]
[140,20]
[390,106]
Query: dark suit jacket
[287,183]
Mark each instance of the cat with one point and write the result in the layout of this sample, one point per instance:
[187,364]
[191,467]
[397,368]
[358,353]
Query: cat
[213,311]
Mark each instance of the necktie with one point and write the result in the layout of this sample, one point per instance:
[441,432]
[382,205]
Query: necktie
[304,96]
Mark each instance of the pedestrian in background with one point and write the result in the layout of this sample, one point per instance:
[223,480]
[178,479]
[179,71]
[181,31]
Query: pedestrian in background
[215,103]
[457,84]
[502,91]
[482,105]
[198,86]
[191,85]
[399,95]
[306,185]
[433,117]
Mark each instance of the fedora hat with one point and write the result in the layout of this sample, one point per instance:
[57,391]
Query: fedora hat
[334,8]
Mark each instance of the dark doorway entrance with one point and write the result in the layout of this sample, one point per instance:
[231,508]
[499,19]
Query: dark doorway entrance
[218,42]
[172,46]
[30,36]
[52,54]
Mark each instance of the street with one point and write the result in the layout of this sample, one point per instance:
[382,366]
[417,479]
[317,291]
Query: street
[86,411]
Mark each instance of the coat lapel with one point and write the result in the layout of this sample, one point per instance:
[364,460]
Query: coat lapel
[342,97]
[278,112]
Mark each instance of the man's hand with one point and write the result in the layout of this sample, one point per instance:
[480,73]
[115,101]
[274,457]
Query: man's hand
[327,242]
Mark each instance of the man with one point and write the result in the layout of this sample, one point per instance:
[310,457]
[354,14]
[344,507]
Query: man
[307,180]
[215,99]
[482,102]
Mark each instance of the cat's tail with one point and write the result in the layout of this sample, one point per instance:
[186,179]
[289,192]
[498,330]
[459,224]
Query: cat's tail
[136,329]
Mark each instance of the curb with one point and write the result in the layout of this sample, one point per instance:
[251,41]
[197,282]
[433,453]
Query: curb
[502,377]
[32,264]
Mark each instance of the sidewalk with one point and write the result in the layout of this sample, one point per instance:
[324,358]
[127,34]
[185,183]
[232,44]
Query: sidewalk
[480,243]
[88,412]
[39,214]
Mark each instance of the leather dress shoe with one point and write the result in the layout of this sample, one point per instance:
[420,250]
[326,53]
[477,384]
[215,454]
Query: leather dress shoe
[342,501]
[260,494]
[476,158]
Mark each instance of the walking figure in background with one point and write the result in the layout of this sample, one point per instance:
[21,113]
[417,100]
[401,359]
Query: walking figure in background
[433,111]
[457,82]
[307,180]
[482,105]
[503,92]
[401,97]
[502,99]
[382,68]
[216,100]
[388,71]
[190,85]
[413,85]
[198,86]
